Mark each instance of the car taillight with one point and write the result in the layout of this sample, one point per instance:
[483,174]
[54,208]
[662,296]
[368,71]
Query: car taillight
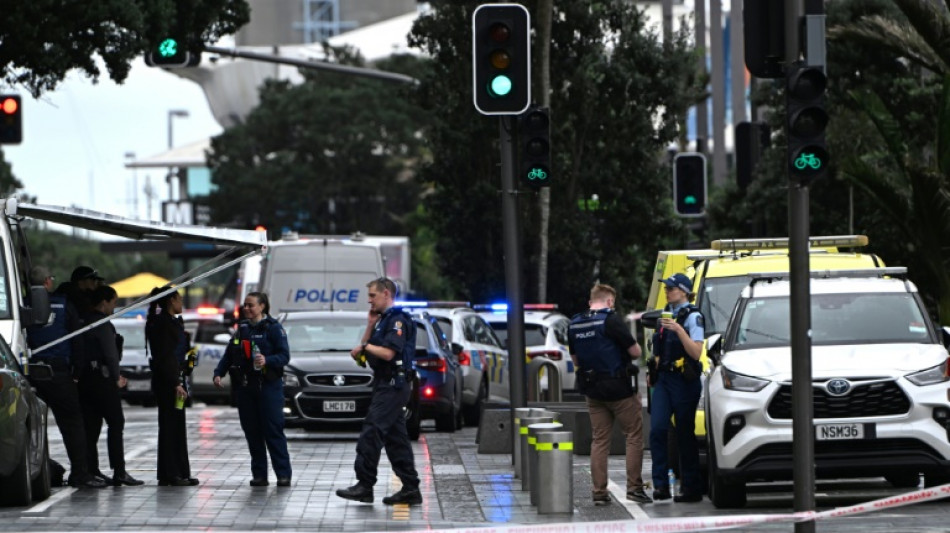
[428,392]
[465,359]
[431,364]
[553,355]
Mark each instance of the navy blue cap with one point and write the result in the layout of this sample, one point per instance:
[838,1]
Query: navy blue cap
[679,281]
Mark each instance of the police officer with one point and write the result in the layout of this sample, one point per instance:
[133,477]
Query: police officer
[388,344]
[255,359]
[100,395]
[61,393]
[82,282]
[677,346]
[602,347]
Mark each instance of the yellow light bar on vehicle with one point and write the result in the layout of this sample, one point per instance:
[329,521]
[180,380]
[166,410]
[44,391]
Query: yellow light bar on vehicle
[847,241]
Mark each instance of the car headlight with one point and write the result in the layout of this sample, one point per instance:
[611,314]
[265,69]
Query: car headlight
[937,374]
[290,380]
[735,381]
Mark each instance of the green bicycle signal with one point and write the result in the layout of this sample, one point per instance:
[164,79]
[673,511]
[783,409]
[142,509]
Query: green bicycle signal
[537,174]
[807,160]
[168,48]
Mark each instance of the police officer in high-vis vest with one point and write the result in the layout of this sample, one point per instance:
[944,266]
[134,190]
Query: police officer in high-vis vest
[61,394]
[388,345]
[677,347]
[255,360]
[602,348]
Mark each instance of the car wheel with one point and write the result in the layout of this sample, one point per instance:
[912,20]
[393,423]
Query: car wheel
[41,485]
[903,480]
[472,413]
[723,494]
[17,488]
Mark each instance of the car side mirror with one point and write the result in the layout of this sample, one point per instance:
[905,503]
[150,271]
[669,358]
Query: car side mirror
[222,338]
[714,348]
[456,348]
[650,318]
[40,371]
[946,337]
[39,310]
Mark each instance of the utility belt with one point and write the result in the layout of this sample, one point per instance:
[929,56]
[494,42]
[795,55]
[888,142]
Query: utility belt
[96,369]
[59,364]
[393,376]
[606,386]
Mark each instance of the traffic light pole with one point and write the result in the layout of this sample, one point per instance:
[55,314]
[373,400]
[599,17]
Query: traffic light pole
[512,248]
[803,435]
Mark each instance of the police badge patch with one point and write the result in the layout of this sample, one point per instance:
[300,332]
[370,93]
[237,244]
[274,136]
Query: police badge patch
[398,328]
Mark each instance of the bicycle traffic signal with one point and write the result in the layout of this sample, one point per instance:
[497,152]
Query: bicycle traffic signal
[689,184]
[501,59]
[806,120]
[171,52]
[535,134]
[11,119]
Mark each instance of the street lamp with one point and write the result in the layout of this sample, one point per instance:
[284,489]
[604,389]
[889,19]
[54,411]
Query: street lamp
[130,158]
[174,113]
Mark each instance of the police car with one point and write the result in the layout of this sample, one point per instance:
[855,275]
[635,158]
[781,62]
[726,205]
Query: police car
[879,373]
[545,335]
[134,362]
[481,354]
[210,333]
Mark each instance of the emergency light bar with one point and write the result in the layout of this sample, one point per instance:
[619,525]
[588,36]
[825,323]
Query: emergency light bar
[501,307]
[853,241]
[205,310]
[421,304]
[897,272]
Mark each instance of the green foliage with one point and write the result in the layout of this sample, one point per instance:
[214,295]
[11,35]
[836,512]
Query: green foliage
[617,94]
[332,155]
[42,40]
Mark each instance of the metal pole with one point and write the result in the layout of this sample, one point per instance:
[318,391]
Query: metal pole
[702,119]
[667,23]
[513,291]
[736,62]
[803,430]
[718,81]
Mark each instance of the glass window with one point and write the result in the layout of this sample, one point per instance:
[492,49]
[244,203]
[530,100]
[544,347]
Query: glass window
[7,359]
[133,335]
[208,329]
[717,299]
[560,330]
[446,325]
[324,335]
[5,311]
[422,337]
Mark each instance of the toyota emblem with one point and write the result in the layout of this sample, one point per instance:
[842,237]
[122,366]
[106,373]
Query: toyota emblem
[838,386]
[339,380]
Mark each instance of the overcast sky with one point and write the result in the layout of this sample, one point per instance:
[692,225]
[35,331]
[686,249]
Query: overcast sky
[75,139]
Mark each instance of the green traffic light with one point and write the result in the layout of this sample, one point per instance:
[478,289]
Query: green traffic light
[500,85]
[537,173]
[808,160]
[689,200]
[168,48]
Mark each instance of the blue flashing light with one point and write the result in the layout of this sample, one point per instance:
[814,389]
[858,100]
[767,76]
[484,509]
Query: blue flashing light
[498,307]
[402,303]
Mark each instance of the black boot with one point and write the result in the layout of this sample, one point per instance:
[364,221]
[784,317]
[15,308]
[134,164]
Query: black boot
[357,493]
[405,495]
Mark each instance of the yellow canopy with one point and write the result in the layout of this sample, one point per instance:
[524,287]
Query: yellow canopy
[138,285]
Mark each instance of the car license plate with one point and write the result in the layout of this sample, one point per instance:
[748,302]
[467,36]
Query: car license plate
[839,431]
[339,406]
[138,385]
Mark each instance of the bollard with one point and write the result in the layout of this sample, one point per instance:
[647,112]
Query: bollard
[520,413]
[532,471]
[555,480]
[523,437]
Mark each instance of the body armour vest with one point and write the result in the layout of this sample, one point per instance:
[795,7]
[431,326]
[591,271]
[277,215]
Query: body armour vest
[667,345]
[595,350]
[38,335]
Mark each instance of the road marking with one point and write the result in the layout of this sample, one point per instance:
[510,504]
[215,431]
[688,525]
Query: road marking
[620,495]
[42,507]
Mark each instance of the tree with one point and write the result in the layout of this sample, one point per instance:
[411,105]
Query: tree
[615,95]
[335,154]
[42,40]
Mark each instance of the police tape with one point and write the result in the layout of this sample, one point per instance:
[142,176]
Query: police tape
[710,523]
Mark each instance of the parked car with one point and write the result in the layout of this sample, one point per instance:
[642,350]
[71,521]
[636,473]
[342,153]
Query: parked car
[134,363]
[24,449]
[440,375]
[480,352]
[322,383]
[879,382]
[545,335]
[206,326]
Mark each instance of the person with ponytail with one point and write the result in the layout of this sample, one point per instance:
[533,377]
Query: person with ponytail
[255,360]
[169,344]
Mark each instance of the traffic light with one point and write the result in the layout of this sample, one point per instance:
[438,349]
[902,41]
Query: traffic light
[751,139]
[763,32]
[171,52]
[501,59]
[11,119]
[535,135]
[689,184]
[807,119]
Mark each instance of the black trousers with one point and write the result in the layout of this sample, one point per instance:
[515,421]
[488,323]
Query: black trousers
[172,436]
[62,397]
[101,399]
[385,427]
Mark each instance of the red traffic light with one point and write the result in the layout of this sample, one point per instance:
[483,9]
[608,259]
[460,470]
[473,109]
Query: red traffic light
[10,105]
[11,119]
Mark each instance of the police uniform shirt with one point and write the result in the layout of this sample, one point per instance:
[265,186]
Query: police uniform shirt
[390,331]
[615,330]
[693,325]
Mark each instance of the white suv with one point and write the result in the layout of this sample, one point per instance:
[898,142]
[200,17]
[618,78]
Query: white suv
[879,373]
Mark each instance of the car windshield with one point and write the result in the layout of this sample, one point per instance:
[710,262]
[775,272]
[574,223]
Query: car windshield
[881,318]
[324,334]
[534,334]
[133,335]
[717,299]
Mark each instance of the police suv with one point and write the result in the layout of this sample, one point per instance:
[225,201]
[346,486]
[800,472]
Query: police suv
[879,378]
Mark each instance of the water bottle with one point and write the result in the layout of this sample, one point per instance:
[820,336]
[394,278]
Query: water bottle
[672,478]
[254,353]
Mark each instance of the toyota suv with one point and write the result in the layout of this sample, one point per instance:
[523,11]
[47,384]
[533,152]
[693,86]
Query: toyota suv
[879,378]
